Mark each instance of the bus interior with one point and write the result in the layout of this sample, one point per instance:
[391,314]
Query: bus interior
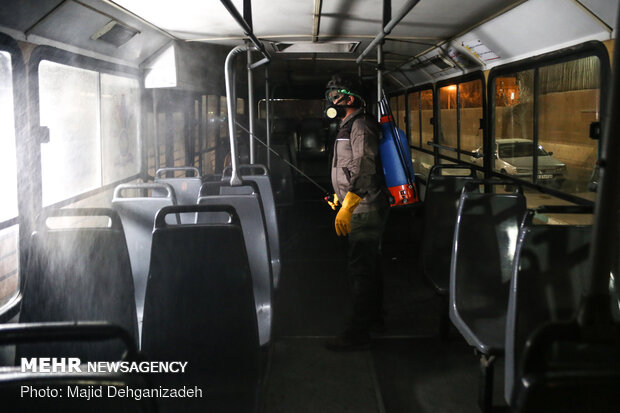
[166,166]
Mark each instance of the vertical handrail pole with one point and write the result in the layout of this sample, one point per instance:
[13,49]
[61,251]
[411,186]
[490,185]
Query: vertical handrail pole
[234,178]
[267,117]
[251,113]
[379,78]
[155,132]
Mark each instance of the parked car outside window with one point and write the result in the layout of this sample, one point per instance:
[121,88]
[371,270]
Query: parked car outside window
[514,157]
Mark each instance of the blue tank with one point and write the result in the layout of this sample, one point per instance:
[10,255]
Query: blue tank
[397,165]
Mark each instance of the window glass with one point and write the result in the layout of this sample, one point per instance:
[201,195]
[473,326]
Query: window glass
[422,162]
[568,104]
[448,131]
[470,113]
[8,206]
[426,114]
[514,124]
[178,133]
[69,107]
[9,237]
[213,126]
[415,131]
[120,114]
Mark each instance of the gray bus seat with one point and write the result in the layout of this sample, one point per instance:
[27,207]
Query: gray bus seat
[568,367]
[441,203]
[186,188]
[487,227]
[13,380]
[78,274]
[249,210]
[138,215]
[200,308]
[551,264]
[269,207]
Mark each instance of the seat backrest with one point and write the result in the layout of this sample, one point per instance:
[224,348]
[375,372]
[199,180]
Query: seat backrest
[444,186]
[263,184]
[486,229]
[551,263]
[312,136]
[137,214]
[199,303]
[249,210]
[79,274]
[186,188]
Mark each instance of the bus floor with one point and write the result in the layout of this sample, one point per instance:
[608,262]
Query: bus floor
[408,369]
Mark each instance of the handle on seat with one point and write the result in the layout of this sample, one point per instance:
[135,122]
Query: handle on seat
[160,218]
[178,169]
[439,167]
[156,185]
[471,185]
[23,333]
[263,168]
[81,212]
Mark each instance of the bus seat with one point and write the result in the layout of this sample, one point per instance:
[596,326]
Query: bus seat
[444,186]
[551,264]
[200,308]
[312,138]
[487,227]
[186,188]
[249,210]
[137,214]
[263,184]
[13,379]
[78,274]
[570,368]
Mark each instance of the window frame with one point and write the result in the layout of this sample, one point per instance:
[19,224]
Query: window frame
[583,50]
[469,77]
[18,73]
[63,57]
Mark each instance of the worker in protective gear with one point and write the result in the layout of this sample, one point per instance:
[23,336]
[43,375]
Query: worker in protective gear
[359,186]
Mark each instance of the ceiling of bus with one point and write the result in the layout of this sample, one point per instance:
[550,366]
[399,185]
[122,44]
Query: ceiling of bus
[511,29]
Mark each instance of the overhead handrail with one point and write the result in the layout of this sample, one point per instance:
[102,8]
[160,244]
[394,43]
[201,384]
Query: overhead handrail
[410,4]
[247,30]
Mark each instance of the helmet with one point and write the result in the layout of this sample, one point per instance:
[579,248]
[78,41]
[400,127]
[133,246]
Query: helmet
[342,85]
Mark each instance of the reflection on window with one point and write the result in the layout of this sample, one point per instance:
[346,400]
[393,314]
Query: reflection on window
[514,119]
[120,111]
[420,114]
[8,206]
[568,104]
[93,120]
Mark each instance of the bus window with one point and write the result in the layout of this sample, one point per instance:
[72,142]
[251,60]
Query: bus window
[568,104]
[120,114]
[93,120]
[514,123]
[448,131]
[9,231]
[213,127]
[69,107]
[421,130]
[470,107]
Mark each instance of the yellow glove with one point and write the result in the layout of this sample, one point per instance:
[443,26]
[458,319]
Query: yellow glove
[343,219]
[335,203]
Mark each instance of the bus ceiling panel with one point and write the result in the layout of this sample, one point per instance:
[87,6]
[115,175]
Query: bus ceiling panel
[605,10]
[532,28]
[87,25]
[209,21]
[429,19]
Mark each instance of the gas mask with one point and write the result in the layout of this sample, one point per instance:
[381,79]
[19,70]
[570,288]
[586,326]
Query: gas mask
[334,109]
